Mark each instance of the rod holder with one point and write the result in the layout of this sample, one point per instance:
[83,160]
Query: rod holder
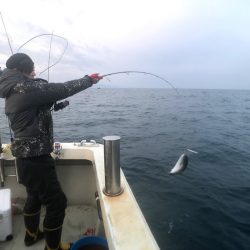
[112,166]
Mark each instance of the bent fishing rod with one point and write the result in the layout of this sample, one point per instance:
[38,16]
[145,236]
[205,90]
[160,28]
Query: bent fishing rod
[65,48]
[142,72]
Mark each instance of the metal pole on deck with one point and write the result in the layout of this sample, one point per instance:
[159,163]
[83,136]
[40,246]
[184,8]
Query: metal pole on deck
[112,166]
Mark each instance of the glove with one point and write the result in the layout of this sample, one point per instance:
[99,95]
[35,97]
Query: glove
[95,78]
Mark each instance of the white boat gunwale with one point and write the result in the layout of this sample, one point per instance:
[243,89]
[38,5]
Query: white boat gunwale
[124,223]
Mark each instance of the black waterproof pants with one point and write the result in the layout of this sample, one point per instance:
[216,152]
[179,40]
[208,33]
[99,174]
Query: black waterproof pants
[39,177]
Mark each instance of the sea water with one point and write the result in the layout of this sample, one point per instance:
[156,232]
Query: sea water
[207,207]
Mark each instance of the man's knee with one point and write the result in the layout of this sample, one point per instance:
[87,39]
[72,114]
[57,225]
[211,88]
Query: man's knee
[55,210]
[32,205]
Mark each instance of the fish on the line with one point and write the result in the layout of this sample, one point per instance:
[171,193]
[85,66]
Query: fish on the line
[180,165]
[182,162]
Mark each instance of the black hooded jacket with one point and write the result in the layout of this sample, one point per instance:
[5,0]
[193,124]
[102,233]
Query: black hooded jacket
[27,105]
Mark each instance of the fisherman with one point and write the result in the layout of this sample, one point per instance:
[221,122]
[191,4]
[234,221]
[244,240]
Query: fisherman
[28,107]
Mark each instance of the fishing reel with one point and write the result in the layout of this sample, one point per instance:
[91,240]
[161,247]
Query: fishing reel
[60,105]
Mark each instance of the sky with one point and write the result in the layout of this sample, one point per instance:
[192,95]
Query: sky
[197,44]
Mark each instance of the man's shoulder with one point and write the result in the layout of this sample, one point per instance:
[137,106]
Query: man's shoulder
[30,85]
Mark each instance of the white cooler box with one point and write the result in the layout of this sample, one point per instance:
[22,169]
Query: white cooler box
[5,215]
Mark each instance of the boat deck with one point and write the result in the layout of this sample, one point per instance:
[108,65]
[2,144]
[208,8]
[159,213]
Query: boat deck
[77,221]
[81,173]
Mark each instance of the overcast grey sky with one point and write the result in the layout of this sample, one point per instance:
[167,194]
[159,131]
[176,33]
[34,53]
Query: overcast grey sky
[191,43]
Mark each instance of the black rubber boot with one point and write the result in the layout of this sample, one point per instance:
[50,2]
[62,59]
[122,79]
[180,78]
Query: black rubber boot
[33,233]
[53,239]
[62,246]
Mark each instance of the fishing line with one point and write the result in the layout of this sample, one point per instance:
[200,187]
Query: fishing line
[142,72]
[61,105]
[49,66]
[50,45]
[6,33]
[60,58]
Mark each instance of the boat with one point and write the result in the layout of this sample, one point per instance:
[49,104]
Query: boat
[101,203]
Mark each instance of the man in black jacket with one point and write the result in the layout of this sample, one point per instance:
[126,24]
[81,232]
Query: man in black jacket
[28,103]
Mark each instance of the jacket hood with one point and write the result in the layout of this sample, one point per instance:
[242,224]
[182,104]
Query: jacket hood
[8,79]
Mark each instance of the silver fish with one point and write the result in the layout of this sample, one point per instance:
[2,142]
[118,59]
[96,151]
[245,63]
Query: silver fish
[180,165]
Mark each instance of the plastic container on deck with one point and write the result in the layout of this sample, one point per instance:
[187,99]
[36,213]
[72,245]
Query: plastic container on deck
[90,243]
[5,215]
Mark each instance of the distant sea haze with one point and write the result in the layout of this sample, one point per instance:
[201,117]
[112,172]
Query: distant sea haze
[207,207]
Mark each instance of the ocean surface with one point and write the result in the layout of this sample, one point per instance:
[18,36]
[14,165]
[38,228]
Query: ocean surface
[207,207]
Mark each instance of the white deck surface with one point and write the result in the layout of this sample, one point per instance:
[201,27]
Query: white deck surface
[78,219]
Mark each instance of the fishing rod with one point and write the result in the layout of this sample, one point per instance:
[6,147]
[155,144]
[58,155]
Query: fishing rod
[142,72]
[6,33]
[65,48]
